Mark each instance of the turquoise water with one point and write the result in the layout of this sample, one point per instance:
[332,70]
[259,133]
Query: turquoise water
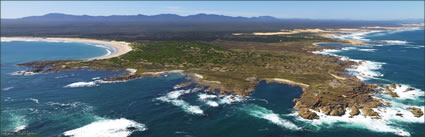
[47,105]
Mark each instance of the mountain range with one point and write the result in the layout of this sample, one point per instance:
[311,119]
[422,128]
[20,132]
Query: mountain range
[166,26]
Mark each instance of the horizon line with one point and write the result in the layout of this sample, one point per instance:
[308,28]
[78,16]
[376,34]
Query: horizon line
[423,19]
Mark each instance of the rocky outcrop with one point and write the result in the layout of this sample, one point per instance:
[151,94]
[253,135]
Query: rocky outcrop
[390,92]
[307,114]
[337,111]
[416,111]
[393,86]
[370,112]
[354,111]
[325,110]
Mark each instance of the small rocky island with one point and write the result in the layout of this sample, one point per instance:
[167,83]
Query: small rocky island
[236,67]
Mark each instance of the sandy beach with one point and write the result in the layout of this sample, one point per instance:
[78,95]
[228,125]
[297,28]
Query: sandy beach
[120,47]
[328,33]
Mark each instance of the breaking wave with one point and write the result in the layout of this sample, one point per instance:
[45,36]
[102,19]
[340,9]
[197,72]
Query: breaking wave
[107,128]
[215,100]
[23,73]
[172,97]
[81,84]
[354,36]
[34,99]
[17,121]
[263,113]
[404,94]
[395,42]
[7,88]
[364,70]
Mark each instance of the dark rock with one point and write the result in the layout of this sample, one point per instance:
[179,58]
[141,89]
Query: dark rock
[409,89]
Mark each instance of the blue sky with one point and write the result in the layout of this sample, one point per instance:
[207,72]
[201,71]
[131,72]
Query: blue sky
[366,10]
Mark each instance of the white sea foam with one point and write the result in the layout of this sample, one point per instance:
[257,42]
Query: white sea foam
[7,88]
[403,94]
[229,99]
[107,128]
[204,96]
[95,78]
[367,50]
[388,121]
[81,84]
[263,113]
[109,49]
[18,121]
[172,97]
[6,40]
[19,128]
[191,109]
[23,73]
[212,103]
[34,99]
[72,105]
[366,69]
[360,121]
[395,42]
[415,46]
[354,36]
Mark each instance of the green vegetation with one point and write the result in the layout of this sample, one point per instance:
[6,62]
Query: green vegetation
[238,66]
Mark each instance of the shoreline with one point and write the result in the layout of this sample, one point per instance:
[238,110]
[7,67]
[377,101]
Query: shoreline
[120,47]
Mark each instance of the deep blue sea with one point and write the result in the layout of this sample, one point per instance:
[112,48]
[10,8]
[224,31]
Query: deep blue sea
[75,104]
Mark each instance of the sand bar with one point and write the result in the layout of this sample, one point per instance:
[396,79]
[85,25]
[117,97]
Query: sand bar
[119,47]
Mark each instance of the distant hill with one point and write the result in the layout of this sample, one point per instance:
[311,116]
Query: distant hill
[163,26]
[59,17]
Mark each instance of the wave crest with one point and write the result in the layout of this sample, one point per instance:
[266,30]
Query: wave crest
[107,128]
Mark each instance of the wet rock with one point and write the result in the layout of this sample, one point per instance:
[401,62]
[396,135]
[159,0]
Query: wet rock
[337,112]
[409,89]
[399,114]
[390,92]
[354,111]
[369,112]
[416,111]
[307,114]
[325,110]
[393,86]
[388,104]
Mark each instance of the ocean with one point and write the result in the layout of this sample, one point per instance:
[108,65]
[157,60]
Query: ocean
[76,103]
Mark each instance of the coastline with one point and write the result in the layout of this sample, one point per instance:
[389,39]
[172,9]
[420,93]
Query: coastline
[390,94]
[120,47]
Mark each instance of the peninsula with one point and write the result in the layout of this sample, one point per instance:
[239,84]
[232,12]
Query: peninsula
[231,61]
[235,67]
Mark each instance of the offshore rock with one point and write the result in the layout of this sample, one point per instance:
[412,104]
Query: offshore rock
[409,89]
[416,111]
